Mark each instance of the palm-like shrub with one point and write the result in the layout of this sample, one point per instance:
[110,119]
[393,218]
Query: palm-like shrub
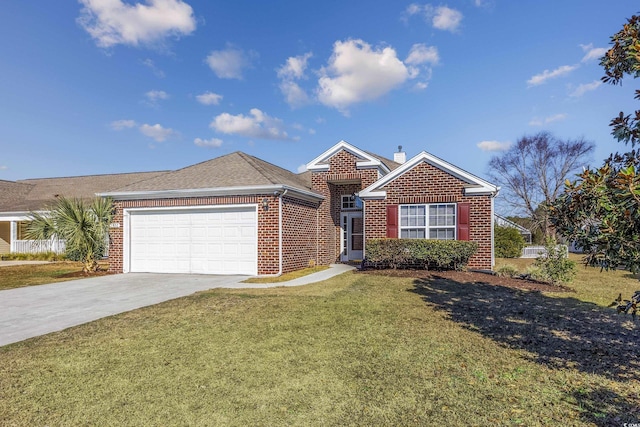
[84,226]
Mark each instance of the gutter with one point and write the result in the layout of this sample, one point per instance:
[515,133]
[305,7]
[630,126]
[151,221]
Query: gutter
[216,191]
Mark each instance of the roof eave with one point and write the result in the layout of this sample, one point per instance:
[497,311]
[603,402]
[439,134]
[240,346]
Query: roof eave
[218,191]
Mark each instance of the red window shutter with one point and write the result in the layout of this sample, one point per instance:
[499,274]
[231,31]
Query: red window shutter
[463,221]
[392,221]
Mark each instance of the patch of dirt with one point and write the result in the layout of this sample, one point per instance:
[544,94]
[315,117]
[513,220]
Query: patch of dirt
[87,275]
[472,277]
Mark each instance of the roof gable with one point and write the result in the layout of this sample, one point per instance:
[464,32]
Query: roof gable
[476,185]
[365,160]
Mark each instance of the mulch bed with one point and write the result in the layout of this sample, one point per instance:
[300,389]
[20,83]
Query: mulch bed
[87,275]
[471,277]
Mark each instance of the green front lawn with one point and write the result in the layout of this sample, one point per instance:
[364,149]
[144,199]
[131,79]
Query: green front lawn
[354,350]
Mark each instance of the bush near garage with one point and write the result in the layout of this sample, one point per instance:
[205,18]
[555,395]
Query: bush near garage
[419,253]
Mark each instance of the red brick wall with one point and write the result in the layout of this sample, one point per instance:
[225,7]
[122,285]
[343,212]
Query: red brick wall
[299,237]
[342,168]
[268,241]
[428,184]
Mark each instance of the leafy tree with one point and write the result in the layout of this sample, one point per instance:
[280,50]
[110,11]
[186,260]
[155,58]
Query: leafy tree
[532,173]
[508,242]
[83,226]
[600,210]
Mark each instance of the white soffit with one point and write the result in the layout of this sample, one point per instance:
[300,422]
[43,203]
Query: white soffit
[367,161]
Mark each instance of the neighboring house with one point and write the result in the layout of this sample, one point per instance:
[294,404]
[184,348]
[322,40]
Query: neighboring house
[19,198]
[504,222]
[237,214]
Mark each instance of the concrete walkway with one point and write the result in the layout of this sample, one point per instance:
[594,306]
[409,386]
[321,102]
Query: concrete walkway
[37,310]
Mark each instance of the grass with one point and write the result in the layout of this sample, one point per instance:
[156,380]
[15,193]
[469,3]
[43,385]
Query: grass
[353,350]
[287,276]
[591,284]
[18,276]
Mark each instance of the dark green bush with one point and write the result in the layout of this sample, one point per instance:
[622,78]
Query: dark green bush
[508,242]
[420,253]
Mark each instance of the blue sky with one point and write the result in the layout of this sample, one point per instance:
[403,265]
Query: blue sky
[108,86]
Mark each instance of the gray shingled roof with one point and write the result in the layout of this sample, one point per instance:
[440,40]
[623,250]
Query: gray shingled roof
[33,194]
[232,170]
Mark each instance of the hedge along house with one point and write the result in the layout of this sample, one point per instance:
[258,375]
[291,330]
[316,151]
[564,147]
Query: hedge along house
[237,214]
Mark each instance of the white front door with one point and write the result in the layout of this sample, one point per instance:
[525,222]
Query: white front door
[352,230]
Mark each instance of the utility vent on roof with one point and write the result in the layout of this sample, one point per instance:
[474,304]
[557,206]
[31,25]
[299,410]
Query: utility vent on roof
[400,156]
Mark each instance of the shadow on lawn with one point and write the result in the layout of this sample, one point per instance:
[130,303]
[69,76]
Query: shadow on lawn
[559,332]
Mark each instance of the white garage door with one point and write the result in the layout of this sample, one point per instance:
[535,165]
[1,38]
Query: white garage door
[211,241]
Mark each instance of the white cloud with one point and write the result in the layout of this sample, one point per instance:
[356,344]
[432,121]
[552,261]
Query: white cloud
[493,146]
[302,168]
[446,19]
[122,124]
[413,9]
[420,86]
[423,54]
[295,67]
[155,95]
[113,22]
[208,143]
[546,120]
[584,88]
[592,53]
[256,125]
[4,167]
[230,62]
[150,64]
[294,95]
[357,73]
[441,17]
[156,132]
[209,98]
[541,78]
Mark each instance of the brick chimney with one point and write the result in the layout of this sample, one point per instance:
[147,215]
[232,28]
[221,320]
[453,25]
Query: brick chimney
[400,156]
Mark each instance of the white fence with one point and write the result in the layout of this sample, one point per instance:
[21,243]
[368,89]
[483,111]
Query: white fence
[37,246]
[536,251]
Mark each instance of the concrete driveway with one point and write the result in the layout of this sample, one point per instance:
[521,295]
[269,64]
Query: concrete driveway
[37,310]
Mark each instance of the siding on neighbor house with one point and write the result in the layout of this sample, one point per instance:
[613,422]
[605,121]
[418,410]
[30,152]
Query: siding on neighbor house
[428,184]
[5,237]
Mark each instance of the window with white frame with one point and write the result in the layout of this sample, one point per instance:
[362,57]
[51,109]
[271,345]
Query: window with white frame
[434,221]
[348,201]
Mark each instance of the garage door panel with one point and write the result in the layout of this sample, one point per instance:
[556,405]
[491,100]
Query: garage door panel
[213,241]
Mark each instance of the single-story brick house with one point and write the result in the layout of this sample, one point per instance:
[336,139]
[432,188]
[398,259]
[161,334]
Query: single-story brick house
[237,214]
